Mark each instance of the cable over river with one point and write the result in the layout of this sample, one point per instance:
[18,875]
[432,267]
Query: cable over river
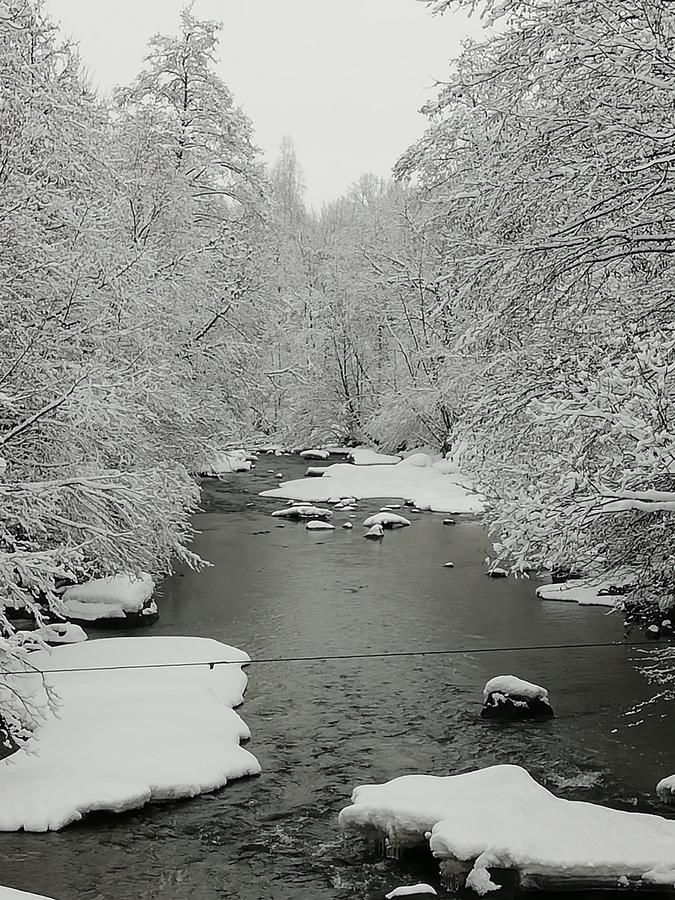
[320,727]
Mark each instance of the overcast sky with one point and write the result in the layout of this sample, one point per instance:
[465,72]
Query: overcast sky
[343,78]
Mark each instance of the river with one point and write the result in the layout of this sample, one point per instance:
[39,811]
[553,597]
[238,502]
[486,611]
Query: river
[321,728]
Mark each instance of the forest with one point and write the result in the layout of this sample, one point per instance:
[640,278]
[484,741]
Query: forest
[506,297]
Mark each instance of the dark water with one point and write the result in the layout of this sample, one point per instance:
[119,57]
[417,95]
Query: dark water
[320,728]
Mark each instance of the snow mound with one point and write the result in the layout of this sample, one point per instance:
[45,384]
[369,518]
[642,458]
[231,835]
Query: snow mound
[315,454]
[511,686]
[424,486]
[419,460]
[387,520]
[12,894]
[362,456]
[108,598]
[318,525]
[302,512]
[407,889]
[601,591]
[665,789]
[501,817]
[127,736]
[225,462]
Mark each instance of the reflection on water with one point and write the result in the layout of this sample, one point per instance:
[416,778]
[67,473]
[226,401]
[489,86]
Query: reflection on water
[320,728]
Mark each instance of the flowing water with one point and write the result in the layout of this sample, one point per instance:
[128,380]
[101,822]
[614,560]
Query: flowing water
[321,728]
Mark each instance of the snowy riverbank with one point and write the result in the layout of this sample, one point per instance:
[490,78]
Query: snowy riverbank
[139,719]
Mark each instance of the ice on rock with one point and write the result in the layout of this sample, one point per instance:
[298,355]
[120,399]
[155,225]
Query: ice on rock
[500,817]
[319,525]
[407,890]
[108,598]
[163,729]
[302,511]
[665,789]
[375,533]
[315,454]
[387,520]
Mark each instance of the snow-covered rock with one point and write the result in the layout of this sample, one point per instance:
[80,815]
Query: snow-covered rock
[665,789]
[500,817]
[498,573]
[319,525]
[375,533]
[387,520]
[448,565]
[424,486]
[449,522]
[362,456]
[108,598]
[314,471]
[160,730]
[410,890]
[601,591]
[347,525]
[315,454]
[508,697]
[302,511]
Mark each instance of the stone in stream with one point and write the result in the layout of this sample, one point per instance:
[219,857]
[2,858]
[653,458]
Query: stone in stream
[376,533]
[665,790]
[448,565]
[497,573]
[347,525]
[508,697]
[449,521]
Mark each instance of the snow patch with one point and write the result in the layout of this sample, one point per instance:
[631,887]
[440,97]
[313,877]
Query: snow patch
[601,591]
[127,736]
[362,456]
[7,893]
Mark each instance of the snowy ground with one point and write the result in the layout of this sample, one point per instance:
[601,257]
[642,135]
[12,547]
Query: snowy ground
[418,479]
[500,817]
[126,737]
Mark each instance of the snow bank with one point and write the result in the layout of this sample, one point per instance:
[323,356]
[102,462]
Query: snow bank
[12,894]
[224,462]
[60,633]
[601,591]
[387,520]
[363,456]
[511,686]
[501,817]
[665,789]
[126,737]
[107,598]
[417,480]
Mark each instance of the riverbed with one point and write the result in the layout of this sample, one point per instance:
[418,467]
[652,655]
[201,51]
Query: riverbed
[319,728]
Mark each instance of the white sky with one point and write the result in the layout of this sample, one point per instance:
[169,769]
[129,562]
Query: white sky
[343,78]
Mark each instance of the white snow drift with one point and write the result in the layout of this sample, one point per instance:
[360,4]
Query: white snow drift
[501,817]
[106,598]
[127,736]
[417,479]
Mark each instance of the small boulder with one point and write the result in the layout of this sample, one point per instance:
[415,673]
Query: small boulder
[498,573]
[376,533]
[508,697]
[448,565]
[387,520]
[665,790]
[449,521]
[318,525]
[347,525]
